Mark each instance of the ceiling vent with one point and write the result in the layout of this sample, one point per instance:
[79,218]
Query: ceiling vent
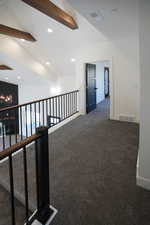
[98,15]
[94,15]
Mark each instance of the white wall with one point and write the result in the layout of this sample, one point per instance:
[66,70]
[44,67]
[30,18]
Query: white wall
[124,74]
[44,88]
[33,92]
[143,173]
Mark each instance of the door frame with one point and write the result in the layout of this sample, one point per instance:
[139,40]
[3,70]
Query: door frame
[111,86]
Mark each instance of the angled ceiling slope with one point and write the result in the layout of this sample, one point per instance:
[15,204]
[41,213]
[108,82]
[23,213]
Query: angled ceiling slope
[9,31]
[51,10]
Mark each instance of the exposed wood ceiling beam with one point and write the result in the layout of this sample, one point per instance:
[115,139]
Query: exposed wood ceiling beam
[9,31]
[4,67]
[51,10]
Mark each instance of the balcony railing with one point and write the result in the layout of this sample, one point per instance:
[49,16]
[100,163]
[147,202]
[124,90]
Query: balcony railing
[20,121]
[21,126]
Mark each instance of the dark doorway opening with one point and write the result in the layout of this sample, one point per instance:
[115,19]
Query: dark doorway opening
[90,87]
[106,82]
[98,87]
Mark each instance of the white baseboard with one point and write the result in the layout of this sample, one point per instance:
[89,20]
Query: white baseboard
[52,129]
[143,182]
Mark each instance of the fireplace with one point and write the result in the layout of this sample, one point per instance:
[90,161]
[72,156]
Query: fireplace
[8,98]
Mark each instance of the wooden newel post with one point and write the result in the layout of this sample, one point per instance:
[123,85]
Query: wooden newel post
[43,203]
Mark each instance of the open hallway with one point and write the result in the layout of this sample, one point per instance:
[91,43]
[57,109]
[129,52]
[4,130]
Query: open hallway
[93,170]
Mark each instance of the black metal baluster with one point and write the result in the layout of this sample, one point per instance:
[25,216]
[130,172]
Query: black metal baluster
[31,118]
[74,103]
[35,114]
[66,106]
[16,124]
[61,118]
[55,120]
[26,121]
[53,111]
[9,140]
[70,105]
[43,112]
[50,107]
[12,190]
[46,112]
[21,122]
[9,132]
[39,113]
[26,185]
[59,107]
[49,118]
[3,133]
[36,173]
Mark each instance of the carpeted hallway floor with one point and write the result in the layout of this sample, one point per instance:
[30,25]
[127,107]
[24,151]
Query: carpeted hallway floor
[93,171]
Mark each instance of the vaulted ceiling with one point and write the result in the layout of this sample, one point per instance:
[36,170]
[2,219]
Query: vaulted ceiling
[57,47]
[98,21]
[114,18]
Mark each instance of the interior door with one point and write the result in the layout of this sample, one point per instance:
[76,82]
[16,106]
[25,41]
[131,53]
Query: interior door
[90,87]
[106,81]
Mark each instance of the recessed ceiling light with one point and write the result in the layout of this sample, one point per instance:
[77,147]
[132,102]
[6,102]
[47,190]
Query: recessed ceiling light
[50,30]
[22,40]
[73,60]
[19,77]
[47,63]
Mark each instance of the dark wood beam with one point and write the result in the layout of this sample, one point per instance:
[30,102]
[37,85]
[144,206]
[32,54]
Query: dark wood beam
[51,10]
[9,31]
[4,67]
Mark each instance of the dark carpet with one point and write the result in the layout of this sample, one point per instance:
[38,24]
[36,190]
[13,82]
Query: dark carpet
[93,173]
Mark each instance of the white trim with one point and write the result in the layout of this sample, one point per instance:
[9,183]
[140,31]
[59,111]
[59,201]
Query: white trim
[52,129]
[36,222]
[143,182]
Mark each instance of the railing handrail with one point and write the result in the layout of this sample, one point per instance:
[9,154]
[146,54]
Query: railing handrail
[15,147]
[36,101]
